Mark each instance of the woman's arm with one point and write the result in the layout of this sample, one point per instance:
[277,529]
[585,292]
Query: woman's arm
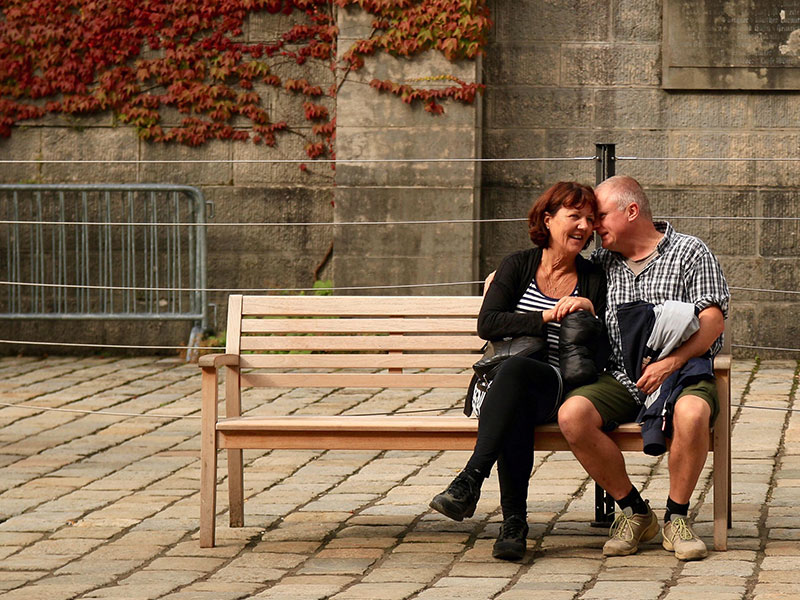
[497,318]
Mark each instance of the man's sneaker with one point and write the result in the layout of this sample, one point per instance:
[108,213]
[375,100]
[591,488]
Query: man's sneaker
[679,538]
[511,542]
[459,499]
[628,530]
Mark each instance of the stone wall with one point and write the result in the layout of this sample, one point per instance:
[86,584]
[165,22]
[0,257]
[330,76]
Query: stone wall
[565,75]
[561,76]
[246,257]
[374,127]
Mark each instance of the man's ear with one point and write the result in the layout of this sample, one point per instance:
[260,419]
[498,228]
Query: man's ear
[632,211]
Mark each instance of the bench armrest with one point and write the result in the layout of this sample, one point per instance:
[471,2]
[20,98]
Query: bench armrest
[218,360]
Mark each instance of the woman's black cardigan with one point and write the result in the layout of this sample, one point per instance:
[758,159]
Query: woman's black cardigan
[497,319]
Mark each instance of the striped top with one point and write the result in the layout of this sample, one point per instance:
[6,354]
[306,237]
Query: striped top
[532,300]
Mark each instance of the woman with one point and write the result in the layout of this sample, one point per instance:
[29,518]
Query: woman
[532,291]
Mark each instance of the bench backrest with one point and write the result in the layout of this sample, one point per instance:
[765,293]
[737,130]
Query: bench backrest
[354,341]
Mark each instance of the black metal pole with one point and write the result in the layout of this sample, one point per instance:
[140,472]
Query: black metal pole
[605,162]
[603,502]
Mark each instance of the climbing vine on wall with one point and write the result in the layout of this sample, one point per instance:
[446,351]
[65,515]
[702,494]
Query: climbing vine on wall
[143,58]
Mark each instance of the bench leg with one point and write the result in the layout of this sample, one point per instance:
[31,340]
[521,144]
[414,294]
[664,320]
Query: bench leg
[236,488]
[208,459]
[722,466]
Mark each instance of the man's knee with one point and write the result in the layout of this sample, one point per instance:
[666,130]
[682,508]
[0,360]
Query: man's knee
[577,415]
[692,412]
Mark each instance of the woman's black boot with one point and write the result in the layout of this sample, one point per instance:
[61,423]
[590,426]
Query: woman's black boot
[512,541]
[459,499]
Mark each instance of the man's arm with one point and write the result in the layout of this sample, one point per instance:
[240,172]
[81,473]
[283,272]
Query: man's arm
[712,324]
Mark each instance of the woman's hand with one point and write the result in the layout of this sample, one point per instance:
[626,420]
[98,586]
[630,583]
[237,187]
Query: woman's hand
[570,304]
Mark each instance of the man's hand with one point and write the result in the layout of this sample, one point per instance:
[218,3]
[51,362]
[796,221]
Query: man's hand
[712,324]
[657,372]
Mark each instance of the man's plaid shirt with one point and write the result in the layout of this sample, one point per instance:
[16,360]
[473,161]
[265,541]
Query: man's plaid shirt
[685,270]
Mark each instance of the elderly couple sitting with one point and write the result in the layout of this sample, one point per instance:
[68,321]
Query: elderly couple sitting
[636,286]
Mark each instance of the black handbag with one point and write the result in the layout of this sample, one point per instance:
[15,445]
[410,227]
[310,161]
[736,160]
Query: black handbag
[494,353]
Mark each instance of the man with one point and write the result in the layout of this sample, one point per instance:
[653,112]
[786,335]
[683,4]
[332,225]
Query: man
[650,262]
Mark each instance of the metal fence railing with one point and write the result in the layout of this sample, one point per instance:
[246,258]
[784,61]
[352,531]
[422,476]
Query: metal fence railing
[103,251]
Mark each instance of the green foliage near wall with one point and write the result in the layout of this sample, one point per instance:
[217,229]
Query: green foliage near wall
[138,58]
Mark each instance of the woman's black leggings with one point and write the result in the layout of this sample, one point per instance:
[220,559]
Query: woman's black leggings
[523,394]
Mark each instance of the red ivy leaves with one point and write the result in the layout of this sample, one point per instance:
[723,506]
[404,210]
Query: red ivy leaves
[135,57]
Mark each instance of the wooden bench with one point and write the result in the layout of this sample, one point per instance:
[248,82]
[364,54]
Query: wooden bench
[368,342]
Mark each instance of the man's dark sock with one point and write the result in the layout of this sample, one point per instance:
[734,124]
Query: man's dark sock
[634,501]
[675,508]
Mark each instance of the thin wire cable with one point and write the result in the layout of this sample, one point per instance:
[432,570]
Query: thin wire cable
[765,348]
[236,290]
[746,289]
[86,345]
[267,224]
[711,158]
[305,289]
[367,223]
[99,412]
[395,160]
[340,161]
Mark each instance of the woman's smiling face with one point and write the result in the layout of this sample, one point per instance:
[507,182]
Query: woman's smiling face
[570,228]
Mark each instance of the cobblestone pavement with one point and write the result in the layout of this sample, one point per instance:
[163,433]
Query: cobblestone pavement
[106,506]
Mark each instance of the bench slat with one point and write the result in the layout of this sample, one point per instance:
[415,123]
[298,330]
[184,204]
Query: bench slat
[358,325]
[357,380]
[428,343]
[373,361]
[395,432]
[412,306]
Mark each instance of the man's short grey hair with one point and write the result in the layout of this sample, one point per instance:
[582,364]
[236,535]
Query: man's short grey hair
[627,190]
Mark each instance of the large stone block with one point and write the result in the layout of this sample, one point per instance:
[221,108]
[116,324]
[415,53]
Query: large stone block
[447,247]
[780,237]
[25,143]
[775,110]
[100,143]
[509,144]
[436,142]
[217,172]
[577,20]
[266,27]
[759,280]
[742,327]
[289,148]
[150,332]
[499,239]
[777,326]
[655,109]
[572,144]
[718,147]
[270,205]
[622,108]
[361,106]
[782,146]
[610,64]
[530,107]
[399,271]
[637,20]
[694,212]
[522,63]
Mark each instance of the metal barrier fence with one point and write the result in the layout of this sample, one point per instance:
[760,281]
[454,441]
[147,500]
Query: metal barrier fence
[81,252]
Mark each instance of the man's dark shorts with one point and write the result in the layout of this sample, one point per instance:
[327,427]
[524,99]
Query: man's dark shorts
[616,405]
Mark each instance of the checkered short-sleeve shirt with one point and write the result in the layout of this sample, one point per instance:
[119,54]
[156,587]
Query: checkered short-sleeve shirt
[685,270]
